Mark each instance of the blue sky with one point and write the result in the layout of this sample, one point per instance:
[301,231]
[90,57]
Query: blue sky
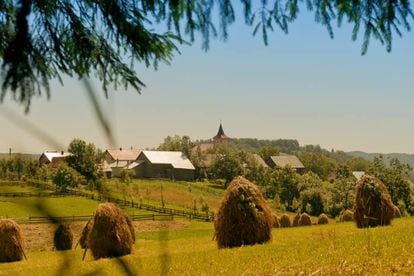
[302,86]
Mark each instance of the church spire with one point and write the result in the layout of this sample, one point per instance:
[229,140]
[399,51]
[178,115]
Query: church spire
[221,136]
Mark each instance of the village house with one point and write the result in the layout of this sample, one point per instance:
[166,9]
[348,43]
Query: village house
[115,160]
[290,161]
[53,158]
[163,164]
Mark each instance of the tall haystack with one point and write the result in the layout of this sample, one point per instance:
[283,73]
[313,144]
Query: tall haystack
[373,204]
[11,241]
[83,240]
[285,221]
[244,217]
[323,219]
[275,220]
[63,238]
[111,234]
[347,215]
[304,220]
[296,220]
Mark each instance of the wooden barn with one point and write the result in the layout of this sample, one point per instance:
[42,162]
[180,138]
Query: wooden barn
[163,164]
[291,161]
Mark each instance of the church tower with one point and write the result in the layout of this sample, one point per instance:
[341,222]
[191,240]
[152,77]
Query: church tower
[220,137]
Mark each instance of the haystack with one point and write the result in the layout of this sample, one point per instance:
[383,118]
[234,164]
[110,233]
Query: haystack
[373,204]
[296,220]
[276,222]
[11,241]
[285,221]
[397,212]
[244,217]
[84,236]
[347,215]
[63,238]
[305,220]
[111,234]
[323,219]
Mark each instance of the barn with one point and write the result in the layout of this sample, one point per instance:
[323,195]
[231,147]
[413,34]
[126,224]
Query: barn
[163,164]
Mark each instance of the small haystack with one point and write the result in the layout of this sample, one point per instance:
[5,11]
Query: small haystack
[63,238]
[84,236]
[285,221]
[244,217]
[111,234]
[323,219]
[373,204]
[305,220]
[276,222]
[347,215]
[11,241]
[296,220]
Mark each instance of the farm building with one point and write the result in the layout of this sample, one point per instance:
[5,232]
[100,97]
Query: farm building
[260,160]
[115,160]
[163,164]
[52,158]
[287,161]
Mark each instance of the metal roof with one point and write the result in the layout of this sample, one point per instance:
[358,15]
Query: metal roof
[124,154]
[55,154]
[177,159]
[287,160]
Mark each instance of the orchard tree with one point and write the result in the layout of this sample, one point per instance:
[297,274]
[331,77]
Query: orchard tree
[66,177]
[227,164]
[177,143]
[85,158]
[45,40]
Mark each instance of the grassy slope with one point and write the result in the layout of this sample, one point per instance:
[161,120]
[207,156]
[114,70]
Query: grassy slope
[335,248]
[180,195]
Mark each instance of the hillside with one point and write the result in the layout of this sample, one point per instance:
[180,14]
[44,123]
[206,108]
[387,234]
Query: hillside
[403,157]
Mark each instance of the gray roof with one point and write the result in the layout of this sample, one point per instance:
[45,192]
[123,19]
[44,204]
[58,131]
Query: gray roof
[177,159]
[124,154]
[287,160]
[260,160]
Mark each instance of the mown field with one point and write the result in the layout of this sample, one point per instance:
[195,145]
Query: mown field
[337,248]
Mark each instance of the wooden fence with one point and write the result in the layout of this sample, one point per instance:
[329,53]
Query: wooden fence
[202,216]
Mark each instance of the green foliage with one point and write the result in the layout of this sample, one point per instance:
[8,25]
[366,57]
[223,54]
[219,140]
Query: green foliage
[227,164]
[395,178]
[18,167]
[342,195]
[177,143]
[318,163]
[285,183]
[267,152]
[273,146]
[85,159]
[66,177]
[43,40]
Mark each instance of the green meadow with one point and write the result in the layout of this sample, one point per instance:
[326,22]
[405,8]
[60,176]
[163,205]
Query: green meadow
[337,248]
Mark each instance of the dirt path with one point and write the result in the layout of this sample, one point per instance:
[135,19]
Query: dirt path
[39,237]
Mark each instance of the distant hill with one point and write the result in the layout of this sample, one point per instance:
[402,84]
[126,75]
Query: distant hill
[403,157]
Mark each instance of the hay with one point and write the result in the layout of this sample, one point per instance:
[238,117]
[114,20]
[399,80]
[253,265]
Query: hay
[347,215]
[305,220]
[296,220]
[83,240]
[63,238]
[397,212]
[373,204]
[275,220]
[285,221]
[244,217]
[11,241]
[111,234]
[323,219]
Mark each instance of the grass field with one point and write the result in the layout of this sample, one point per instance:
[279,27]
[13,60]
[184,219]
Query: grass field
[338,248]
[178,195]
